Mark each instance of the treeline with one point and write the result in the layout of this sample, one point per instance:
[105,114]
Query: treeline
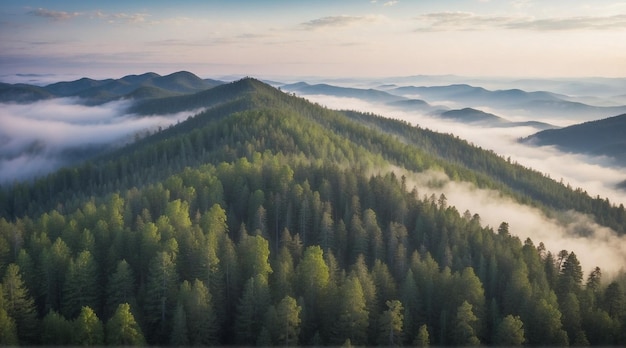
[283,224]
[264,252]
[229,130]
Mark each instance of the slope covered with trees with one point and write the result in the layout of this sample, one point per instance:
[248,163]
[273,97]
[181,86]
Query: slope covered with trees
[605,137]
[268,220]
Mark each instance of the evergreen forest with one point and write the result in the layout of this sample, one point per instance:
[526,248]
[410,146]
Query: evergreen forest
[269,220]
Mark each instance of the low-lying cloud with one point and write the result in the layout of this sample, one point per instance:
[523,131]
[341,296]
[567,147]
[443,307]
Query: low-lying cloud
[594,245]
[38,138]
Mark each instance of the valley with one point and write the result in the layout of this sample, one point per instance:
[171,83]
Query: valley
[255,204]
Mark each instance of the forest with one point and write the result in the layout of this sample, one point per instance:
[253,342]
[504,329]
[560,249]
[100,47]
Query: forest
[268,220]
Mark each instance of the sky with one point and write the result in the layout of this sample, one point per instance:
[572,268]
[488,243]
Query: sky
[340,38]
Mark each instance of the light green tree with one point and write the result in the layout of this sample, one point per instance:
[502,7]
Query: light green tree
[391,324]
[122,329]
[510,332]
[88,329]
[422,338]
[19,305]
[464,333]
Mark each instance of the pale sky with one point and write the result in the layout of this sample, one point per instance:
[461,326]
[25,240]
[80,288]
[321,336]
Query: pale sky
[340,38]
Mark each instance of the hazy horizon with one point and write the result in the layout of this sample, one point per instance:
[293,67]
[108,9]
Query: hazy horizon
[368,38]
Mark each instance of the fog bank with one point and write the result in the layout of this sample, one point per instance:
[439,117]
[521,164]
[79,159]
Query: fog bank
[40,137]
[594,245]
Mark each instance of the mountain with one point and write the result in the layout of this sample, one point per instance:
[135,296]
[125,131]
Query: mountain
[92,92]
[72,88]
[479,117]
[22,93]
[266,219]
[605,137]
[470,115]
[371,95]
[531,103]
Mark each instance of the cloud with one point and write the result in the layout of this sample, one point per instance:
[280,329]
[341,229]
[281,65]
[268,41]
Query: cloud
[390,3]
[133,18]
[335,21]
[54,15]
[38,138]
[118,17]
[467,21]
[593,244]
[593,174]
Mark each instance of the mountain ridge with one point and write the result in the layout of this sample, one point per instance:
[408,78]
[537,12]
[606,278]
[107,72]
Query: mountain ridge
[94,92]
[605,137]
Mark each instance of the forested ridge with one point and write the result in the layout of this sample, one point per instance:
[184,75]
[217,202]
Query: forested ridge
[267,220]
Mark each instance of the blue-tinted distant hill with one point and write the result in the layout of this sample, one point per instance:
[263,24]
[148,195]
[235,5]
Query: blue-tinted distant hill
[530,103]
[372,95]
[145,86]
[606,137]
[479,117]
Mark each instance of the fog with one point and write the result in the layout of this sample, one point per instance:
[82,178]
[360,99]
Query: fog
[594,174]
[594,245]
[40,137]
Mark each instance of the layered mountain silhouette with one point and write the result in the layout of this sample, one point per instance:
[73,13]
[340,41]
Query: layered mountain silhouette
[265,212]
[89,91]
[530,103]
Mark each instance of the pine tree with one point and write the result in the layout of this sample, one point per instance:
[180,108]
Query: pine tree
[464,333]
[510,332]
[288,317]
[88,329]
[120,288]
[81,286]
[19,305]
[391,324]
[422,338]
[352,322]
[122,329]
[160,298]
[56,330]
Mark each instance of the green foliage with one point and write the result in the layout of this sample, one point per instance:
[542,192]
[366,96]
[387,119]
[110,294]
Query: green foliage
[391,324]
[510,332]
[267,219]
[56,330]
[122,329]
[87,329]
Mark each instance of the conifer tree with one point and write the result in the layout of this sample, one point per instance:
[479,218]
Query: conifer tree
[19,305]
[122,329]
[88,329]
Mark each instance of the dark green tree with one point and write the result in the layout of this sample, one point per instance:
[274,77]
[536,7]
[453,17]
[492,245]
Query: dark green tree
[81,285]
[56,330]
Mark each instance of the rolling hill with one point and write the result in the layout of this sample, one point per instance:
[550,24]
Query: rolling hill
[605,137]
[530,103]
[93,92]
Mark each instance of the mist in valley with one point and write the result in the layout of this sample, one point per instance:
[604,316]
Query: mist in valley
[594,245]
[38,138]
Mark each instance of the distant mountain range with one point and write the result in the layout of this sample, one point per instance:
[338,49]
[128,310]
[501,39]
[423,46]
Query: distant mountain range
[606,137]
[145,86]
[529,103]
[466,93]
